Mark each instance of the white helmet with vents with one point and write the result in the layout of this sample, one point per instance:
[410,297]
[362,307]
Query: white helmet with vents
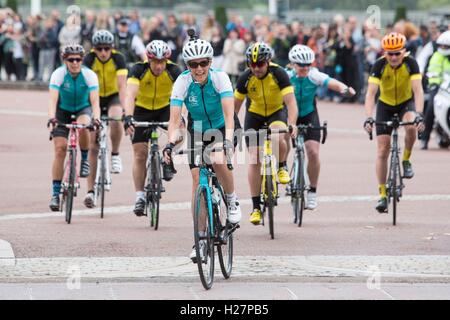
[444,40]
[158,49]
[301,54]
[197,49]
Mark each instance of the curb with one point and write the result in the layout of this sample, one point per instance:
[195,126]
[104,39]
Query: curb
[23,85]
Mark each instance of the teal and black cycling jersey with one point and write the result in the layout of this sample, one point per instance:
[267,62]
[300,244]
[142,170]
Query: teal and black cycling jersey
[73,91]
[203,102]
[305,89]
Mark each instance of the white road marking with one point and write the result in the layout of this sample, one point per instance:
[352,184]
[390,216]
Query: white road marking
[7,257]
[23,113]
[390,267]
[292,294]
[186,205]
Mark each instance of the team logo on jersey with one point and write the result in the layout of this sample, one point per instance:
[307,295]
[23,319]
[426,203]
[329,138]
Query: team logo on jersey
[253,88]
[193,100]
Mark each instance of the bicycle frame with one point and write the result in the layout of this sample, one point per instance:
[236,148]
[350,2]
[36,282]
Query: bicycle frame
[103,152]
[268,167]
[71,146]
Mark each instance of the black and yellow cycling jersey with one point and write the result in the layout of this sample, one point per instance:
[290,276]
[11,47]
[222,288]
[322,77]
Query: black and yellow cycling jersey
[265,96]
[395,83]
[107,72]
[154,92]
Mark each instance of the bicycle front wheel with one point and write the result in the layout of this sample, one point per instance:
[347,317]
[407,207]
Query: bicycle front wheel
[298,191]
[156,192]
[70,192]
[225,241]
[270,203]
[204,242]
[102,183]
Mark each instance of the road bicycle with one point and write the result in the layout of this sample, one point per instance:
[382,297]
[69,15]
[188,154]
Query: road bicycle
[219,231]
[153,183]
[71,179]
[269,185]
[298,185]
[103,179]
[394,185]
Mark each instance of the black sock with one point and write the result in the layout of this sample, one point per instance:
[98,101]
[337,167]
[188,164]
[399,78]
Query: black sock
[313,189]
[90,191]
[256,202]
[114,154]
[282,164]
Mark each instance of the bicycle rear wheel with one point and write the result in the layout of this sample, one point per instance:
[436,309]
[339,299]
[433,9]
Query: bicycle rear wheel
[225,243]
[298,191]
[70,192]
[205,265]
[394,190]
[270,203]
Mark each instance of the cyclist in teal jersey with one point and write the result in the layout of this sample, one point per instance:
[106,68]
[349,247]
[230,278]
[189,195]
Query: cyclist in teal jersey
[208,96]
[73,91]
[305,80]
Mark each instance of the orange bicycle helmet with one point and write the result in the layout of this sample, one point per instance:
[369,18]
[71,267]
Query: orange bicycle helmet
[393,41]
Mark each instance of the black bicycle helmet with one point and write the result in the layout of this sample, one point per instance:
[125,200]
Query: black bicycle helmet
[258,52]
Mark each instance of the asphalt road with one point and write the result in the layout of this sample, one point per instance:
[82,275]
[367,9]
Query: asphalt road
[341,248]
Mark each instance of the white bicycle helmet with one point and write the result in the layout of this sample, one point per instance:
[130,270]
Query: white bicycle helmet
[102,37]
[301,54]
[158,49]
[197,49]
[444,39]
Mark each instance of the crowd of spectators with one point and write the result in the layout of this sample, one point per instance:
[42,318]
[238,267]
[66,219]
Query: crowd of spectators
[345,48]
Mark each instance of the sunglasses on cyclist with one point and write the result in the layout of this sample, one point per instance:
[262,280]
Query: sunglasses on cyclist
[259,64]
[394,54]
[303,65]
[103,49]
[194,65]
[72,60]
[444,47]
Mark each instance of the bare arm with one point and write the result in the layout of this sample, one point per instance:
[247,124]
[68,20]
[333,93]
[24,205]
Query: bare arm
[131,93]
[122,85]
[369,104]
[237,105]
[418,94]
[340,87]
[95,103]
[228,112]
[174,123]
[54,96]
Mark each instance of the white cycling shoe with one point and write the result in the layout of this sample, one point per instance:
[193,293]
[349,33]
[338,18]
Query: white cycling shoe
[116,164]
[311,201]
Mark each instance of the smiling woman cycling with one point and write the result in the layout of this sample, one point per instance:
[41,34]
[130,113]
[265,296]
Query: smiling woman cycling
[73,91]
[208,96]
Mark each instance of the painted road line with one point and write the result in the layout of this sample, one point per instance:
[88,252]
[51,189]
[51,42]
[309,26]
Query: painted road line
[171,206]
[7,257]
[23,113]
[255,267]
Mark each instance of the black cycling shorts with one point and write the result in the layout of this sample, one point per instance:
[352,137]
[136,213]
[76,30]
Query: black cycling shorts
[208,138]
[64,116]
[385,112]
[255,121]
[141,114]
[311,118]
[107,102]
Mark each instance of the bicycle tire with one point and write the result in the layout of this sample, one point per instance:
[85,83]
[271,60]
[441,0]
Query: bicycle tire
[270,204]
[70,192]
[394,191]
[102,183]
[224,250]
[206,267]
[156,184]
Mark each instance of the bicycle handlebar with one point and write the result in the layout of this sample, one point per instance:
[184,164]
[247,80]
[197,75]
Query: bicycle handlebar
[393,124]
[215,149]
[70,126]
[149,124]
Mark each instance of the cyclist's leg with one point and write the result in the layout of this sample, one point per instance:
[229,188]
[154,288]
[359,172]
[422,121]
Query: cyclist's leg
[383,148]
[84,117]
[93,154]
[279,144]
[115,110]
[254,122]
[278,120]
[408,114]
